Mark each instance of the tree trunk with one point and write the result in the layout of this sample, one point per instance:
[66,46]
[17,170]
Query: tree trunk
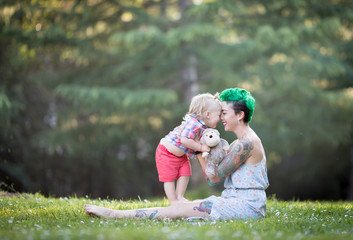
[183,5]
[188,71]
[189,79]
[162,8]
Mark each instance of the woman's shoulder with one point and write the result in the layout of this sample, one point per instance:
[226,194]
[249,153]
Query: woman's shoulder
[243,147]
[247,143]
[257,151]
[249,148]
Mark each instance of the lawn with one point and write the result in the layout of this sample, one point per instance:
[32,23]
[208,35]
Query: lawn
[33,216]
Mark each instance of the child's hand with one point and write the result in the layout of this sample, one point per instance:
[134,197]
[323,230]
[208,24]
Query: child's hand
[205,148]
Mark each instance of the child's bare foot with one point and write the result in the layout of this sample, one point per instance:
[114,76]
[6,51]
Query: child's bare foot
[183,200]
[96,211]
[178,201]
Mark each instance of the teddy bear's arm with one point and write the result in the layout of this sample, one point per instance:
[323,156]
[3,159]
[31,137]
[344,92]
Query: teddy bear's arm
[225,145]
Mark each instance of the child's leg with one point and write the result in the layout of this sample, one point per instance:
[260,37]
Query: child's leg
[166,171]
[169,188]
[182,184]
[183,180]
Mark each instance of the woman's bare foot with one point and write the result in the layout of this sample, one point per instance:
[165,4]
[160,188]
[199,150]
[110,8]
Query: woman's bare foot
[96,211]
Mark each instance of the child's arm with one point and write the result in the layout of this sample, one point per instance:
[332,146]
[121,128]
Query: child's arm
[192,144]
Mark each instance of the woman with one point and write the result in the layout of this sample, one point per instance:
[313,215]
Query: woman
[244,171]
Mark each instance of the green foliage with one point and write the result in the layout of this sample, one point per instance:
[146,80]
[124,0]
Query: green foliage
[115,100]
[28,216]
[91,86]
[7,109]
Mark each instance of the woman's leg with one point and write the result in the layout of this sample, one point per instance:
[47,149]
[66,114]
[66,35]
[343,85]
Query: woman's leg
[181,186]
[191,209]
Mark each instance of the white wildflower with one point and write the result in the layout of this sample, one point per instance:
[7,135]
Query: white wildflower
[37,226]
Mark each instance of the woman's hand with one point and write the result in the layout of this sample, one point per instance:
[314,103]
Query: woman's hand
[212,180]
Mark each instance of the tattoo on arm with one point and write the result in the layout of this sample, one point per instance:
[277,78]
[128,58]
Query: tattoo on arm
[205,206]
[237,155]
[143,214]
[153,215]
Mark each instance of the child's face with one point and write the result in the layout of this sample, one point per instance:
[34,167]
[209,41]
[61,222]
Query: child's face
[213,115]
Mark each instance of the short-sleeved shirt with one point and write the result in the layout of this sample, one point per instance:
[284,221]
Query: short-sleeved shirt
[190,128]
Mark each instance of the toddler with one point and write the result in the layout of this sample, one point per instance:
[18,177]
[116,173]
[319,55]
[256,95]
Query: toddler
[173,150]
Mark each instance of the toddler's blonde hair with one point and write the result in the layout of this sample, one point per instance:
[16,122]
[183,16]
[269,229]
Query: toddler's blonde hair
[202,102]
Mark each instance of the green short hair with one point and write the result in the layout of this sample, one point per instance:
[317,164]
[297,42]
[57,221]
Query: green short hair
[239,95]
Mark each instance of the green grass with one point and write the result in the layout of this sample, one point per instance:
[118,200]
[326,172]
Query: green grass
[28,216]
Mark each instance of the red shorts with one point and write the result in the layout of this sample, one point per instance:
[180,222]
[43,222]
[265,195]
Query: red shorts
[171,167]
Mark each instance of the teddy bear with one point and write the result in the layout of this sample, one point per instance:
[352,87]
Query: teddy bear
[219,148]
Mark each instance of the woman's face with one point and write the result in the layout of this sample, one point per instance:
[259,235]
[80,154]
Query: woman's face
[228,117]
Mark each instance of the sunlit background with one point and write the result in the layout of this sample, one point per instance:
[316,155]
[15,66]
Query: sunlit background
[88,88]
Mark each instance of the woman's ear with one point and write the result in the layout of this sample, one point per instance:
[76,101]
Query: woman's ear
[241,115]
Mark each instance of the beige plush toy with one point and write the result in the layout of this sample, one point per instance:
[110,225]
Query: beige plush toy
[219,148]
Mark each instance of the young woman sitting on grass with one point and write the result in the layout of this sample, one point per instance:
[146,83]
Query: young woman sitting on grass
[243,170]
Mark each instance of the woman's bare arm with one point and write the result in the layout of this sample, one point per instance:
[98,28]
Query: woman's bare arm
[238,153]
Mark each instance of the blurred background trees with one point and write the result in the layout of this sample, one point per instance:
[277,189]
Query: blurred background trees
[88,88]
